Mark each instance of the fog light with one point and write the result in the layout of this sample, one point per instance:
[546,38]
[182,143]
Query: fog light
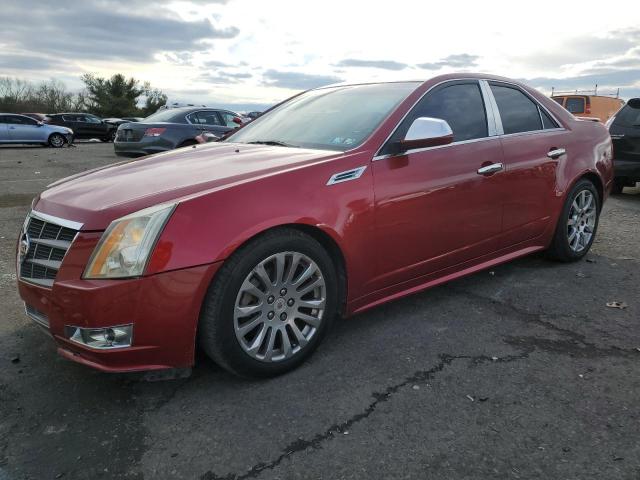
[101,338]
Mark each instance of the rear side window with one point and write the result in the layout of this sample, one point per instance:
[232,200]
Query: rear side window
[628,116]
[204,118]
[517,111]
[575,105]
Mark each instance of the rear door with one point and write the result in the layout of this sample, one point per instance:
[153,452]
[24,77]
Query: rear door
[24,129]
[625,133]
[533,144]
[433,207]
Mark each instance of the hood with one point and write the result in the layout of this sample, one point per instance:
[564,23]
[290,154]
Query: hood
[97,198]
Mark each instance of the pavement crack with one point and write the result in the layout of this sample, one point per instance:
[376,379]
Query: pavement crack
[419,376]
[576,344]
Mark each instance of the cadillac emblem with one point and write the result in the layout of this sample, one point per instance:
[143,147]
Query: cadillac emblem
[25,245]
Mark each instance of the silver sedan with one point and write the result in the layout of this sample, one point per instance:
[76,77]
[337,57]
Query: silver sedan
[22,129]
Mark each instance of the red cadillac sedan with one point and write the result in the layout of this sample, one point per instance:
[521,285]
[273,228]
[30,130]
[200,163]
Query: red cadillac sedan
[335,201]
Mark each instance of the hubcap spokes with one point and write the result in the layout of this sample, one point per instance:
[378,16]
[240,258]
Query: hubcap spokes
[279,306]
[582,221]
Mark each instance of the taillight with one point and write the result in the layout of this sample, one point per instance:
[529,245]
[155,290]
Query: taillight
[587,108]
[154,132]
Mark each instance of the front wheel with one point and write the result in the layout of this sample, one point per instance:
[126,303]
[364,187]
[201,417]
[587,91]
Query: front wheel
[57,140]
[577,224]
[270,305]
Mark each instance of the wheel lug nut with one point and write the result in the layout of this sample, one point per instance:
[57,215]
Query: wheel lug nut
[270,315]
[290,302]
[283,316]
[283,292]
[270,299]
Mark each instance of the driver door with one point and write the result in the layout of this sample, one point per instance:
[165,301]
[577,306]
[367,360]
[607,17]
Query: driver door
[433,208]
[24,129]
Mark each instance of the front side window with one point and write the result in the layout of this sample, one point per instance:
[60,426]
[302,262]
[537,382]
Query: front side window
[18,120]
[460,104]
[575,104]
[517,111]
[92,119]
[333,118]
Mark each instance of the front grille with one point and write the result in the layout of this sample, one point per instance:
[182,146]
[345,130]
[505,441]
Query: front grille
[47,244]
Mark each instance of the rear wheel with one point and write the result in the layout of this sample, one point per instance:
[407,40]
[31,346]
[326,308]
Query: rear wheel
[270,305]
[56,140]
[577,224]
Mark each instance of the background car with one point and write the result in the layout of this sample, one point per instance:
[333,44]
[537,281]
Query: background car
[599,107]
[624,128]
[16,128]
[172,128]
[85,125]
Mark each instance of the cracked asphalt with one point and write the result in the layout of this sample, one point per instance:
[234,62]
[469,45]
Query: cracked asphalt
[518,372]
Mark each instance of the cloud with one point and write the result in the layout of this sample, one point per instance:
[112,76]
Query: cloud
[28,62]
[224,78]
[104,30]
[581,49]
[297,80]
[382,64]
[460,60]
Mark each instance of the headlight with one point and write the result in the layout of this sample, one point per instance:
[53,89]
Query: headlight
[126,245]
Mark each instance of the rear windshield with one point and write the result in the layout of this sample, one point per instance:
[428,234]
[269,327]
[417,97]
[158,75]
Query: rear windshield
[575,104]
[628,116]
[161,116]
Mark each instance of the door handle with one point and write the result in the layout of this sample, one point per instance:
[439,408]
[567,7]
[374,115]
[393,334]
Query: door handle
[556,152]
[490,169]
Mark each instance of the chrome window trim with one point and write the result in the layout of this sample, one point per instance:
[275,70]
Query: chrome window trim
[57,220]
[494,113]
[186,117]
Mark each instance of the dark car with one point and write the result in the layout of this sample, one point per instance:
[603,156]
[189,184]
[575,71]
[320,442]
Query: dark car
[335,201]
[172,128]
[84,125]
[624,128]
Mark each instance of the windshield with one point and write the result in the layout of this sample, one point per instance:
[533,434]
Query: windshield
[336,118]
[161,116]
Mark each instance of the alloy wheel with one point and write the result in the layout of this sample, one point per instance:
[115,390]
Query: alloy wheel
[279,306]
[57,140]
[582,221]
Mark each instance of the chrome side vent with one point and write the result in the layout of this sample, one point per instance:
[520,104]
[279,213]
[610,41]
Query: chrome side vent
[346,176]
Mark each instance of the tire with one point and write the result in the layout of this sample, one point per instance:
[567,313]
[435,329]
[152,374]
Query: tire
[226,333]
[56,140]
[578,223]
[618,186]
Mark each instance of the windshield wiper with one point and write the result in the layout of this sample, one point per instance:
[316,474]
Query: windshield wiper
[276,143]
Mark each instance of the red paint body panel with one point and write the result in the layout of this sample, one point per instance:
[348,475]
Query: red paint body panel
[409,222]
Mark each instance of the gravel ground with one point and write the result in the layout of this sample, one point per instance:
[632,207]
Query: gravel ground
[518,372]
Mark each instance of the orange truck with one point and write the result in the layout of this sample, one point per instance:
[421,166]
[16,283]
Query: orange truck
[588,104]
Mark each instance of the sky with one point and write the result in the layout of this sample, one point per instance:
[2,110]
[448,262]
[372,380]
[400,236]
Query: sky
[248,54]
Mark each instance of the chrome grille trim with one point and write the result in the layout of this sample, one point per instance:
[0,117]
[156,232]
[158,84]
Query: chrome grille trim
[48,239]
[37,316]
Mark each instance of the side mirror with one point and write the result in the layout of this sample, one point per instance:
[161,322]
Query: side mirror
[237,120]
[40,124]
[426,132]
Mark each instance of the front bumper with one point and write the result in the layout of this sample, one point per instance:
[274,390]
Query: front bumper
[146,146]
[163,308]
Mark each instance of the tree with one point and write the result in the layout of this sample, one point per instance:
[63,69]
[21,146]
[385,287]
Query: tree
[116,96]
[153,101]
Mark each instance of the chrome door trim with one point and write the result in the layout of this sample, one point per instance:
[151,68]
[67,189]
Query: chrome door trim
[491,106]
[418,150]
